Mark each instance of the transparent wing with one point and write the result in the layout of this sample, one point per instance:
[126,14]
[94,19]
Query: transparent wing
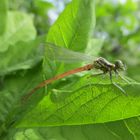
[58,53]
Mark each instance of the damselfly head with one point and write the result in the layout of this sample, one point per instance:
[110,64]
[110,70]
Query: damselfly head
[119,65]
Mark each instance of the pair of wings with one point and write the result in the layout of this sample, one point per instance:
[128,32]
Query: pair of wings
[65,55]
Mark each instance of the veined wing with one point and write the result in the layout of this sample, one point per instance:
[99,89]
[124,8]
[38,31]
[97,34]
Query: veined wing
[58,53]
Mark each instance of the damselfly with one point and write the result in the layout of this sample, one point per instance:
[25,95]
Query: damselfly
[62,54]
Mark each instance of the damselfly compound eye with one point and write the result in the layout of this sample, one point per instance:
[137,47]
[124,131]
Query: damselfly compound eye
[119,65]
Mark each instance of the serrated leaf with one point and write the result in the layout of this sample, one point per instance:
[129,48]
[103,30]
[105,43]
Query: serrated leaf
[19,27]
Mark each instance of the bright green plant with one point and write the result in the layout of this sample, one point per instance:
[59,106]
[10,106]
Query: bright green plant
[72,108]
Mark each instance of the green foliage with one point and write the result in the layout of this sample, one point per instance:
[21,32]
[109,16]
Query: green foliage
[87,103]
[76,107]
[3,15]
[19,27]
[71,30]
[74,25]
[27,58]
[127,129]
[120,26]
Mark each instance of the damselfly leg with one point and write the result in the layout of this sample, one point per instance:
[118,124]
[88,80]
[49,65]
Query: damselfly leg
[111,80]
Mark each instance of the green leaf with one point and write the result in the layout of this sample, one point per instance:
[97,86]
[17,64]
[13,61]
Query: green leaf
[12,89]
[74,25]
[94,47]
[72,30]
[42,7]
[96,101]
[22,55]
[19,27]
[133,126]
[127,129]
[3,15]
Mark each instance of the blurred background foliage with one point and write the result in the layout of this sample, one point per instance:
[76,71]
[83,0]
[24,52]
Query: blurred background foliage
[117,22]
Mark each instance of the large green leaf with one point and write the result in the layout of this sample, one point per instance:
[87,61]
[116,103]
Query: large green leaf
[85,102]
[72,30]
[19,27]
[127,129]
[74,25]
[3,15]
